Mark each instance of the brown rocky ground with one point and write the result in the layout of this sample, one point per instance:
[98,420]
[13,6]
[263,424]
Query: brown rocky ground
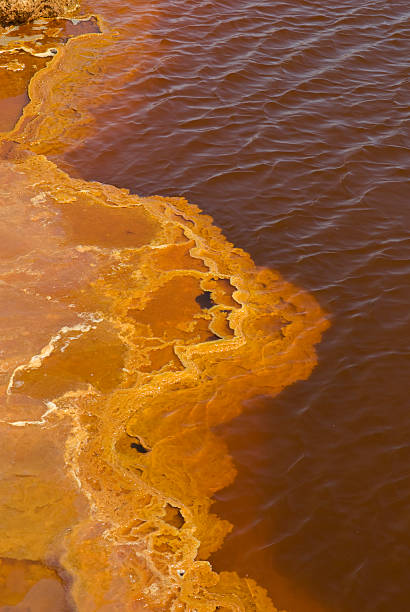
[22,11]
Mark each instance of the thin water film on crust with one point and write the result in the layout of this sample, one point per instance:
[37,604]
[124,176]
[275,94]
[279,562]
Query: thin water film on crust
[131,328]
[26,49]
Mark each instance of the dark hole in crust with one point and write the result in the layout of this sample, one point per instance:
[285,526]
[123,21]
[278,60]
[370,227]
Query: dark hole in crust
[212,338]
[173,516]
[205,300]
[139,447]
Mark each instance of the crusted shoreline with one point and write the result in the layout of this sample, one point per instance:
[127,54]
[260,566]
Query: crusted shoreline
[130,389]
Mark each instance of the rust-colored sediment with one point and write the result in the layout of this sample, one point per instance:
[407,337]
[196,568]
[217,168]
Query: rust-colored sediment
[130,328]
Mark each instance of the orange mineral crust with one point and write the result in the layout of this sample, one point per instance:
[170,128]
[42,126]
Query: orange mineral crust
[21,11]
[24,50]
[130,329]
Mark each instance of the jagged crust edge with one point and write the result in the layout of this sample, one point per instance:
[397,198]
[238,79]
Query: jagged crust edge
[242,272]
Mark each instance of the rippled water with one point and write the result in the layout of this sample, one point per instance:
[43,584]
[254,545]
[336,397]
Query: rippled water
[288,123]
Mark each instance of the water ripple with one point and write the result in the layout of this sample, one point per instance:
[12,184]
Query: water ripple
[289,122]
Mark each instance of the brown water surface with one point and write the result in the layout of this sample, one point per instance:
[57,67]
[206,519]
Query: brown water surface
[288,122]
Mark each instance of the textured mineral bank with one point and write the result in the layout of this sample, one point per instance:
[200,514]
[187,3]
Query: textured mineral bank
[22,11]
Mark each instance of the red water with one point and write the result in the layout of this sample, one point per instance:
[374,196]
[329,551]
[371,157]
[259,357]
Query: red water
[288,123]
